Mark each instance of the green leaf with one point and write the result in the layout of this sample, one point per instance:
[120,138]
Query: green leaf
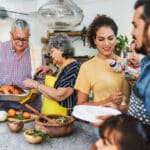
[122,43]
[36,133]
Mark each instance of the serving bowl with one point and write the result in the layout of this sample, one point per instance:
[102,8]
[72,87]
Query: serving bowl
[15,126]
[62,126]
[31,136]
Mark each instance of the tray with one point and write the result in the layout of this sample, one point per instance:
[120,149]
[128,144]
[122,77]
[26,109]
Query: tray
[14,97]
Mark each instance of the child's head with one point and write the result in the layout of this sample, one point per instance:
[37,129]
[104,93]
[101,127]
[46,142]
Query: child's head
[122,132]
[134,57]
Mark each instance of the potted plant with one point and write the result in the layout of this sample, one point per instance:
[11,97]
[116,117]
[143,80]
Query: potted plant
[122,47]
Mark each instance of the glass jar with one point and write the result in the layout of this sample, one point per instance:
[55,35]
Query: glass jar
[60,15]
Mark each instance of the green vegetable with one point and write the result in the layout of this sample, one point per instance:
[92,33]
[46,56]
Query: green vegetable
[36,133]
[19,116]
[59,120]
[62,120]
[122,44]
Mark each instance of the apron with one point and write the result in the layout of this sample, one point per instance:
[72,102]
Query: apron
[50,106]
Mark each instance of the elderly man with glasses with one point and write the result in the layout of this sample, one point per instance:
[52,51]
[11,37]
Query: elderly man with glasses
[15,59]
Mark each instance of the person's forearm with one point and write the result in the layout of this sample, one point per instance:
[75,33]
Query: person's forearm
[43,89]
[95,103]
[59,94]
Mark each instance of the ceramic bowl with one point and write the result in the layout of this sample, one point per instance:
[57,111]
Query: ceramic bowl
[55,130]
[15,126]
[30,138]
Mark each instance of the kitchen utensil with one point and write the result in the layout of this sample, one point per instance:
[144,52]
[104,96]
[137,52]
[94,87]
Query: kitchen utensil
[32,138]
[41,115]
[39,76]
[15,126]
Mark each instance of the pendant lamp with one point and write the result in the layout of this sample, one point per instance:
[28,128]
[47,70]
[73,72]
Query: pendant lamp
[60,15]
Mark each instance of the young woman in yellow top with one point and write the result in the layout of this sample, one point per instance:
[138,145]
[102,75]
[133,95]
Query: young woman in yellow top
[96,75]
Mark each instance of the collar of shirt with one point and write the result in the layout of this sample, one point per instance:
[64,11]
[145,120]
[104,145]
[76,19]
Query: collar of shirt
[14,51]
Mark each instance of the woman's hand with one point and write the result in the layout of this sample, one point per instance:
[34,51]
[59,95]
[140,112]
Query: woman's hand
[111,105]
[103,118]
[44,70]
[116,97]
[132,83]
[29,83]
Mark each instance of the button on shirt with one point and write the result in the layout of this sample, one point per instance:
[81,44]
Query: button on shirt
[13,69]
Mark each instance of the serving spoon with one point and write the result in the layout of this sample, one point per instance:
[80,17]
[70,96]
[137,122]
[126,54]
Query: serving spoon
[51,121]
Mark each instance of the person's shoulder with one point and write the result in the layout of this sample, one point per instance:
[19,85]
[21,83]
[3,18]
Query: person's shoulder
[5,47]
[90,61]
[6,43]
[74,64]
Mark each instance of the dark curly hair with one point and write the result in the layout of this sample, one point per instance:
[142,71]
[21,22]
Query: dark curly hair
[100,21]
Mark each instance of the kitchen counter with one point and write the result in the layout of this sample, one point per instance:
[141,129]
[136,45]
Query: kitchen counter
[83,136]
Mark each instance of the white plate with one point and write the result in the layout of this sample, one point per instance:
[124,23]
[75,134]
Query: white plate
[90,113]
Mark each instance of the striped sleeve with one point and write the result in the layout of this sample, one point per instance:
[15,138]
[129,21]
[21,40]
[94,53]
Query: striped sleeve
[68,76]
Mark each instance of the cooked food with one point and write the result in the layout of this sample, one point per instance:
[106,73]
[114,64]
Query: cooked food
[2,92]
[56,120]
[11,89]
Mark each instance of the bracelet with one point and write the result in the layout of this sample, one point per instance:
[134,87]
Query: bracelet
[37,86]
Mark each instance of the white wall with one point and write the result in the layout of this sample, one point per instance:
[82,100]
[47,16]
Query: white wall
[120,10]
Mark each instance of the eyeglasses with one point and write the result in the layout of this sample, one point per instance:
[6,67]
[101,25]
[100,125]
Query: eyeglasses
[18,40]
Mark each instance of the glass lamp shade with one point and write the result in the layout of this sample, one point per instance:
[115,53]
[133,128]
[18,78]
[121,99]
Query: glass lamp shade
[60,15]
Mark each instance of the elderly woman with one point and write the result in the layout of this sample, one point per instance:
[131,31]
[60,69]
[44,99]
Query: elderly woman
[96,75]
[58,91]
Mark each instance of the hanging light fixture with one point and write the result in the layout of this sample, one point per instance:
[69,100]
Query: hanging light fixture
[60,15]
